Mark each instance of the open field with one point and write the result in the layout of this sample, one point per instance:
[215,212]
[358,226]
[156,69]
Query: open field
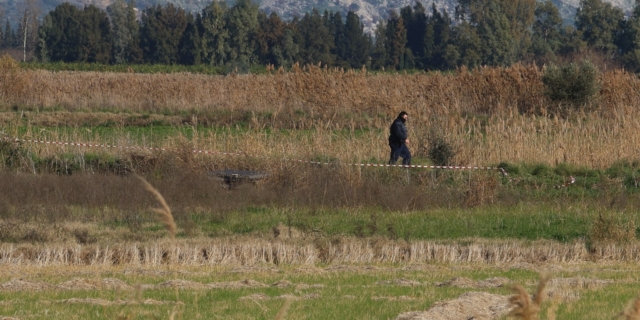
[80,235]
[354,291]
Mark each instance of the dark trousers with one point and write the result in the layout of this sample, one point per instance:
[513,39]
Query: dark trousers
[400,151]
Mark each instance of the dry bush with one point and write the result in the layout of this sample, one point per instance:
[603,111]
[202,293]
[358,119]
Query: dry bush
[482,189]
[13,82]
[611,228]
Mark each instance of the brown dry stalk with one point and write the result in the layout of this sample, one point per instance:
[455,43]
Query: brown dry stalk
[523,306]
[164,215]
[632,311]
[283,311]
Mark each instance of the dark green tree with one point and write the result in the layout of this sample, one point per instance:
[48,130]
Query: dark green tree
[270,37]
[63,34]
[629,40]
[336,28]
[521,15]
[242,24]
[379,54]
[572,41]
[599,24]
[498,45]
[95,31]
[314,39]
[396,40]
[438,51]
[467,46]
[215,36]
[125,32]
[356,44]
[415,20]
[547,31]
[190,49]
[161,33]
[10,37]
[42,52]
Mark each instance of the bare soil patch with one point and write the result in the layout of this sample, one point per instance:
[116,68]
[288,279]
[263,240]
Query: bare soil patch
[254,269]
[462,282]
[260,296]
[399,282]
[400,298]
[22,285]
[181,284]
[471,305]
[103,302]
[93,284]
[246,283]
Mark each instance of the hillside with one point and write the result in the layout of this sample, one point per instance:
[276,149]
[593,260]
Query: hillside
[370,11]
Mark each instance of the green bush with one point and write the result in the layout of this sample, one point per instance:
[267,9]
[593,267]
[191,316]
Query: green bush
[440,151]
[574,83]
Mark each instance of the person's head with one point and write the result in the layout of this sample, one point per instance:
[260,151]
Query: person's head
[403,115]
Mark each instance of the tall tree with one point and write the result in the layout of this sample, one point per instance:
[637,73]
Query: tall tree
[214,33]
[357,44]
[521,14]
[546,31]
[242,23]
[599,23]
[95,35]
[438,53]
[379,53]
[9,36]
[62,34]
[125,31]
[336,27]
[468,45]
[270,38]
[415,20]
[629,41]
[315,40]
[28,28]
[498,45]
[190,50]
[396,40]
[161,33]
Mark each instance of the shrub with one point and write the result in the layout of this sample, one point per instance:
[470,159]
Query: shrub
[440,151]
[574,83]
[12,81]
[611,227]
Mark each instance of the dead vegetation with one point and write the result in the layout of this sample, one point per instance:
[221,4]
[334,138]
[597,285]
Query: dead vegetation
[471,305]
[254,252]
[490,114]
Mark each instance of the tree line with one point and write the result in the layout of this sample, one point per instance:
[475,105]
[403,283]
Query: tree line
[480,32]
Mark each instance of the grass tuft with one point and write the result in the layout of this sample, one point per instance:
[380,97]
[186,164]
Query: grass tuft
[164,215]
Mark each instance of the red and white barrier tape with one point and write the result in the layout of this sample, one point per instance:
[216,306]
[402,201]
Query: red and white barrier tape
[91,145]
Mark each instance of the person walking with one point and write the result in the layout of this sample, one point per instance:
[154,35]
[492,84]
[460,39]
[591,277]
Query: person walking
[398,140]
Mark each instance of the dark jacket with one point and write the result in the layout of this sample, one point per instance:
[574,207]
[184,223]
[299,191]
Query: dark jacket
[398,132]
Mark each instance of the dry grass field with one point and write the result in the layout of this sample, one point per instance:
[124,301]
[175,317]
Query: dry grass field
[490,115]
[132,232]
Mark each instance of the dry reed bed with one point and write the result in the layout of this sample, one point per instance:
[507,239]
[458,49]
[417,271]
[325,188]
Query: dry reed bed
[321,92]
[516,138]
[259,251]
[484,113]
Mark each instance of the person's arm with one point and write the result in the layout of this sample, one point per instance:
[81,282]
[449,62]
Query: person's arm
[400,132]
